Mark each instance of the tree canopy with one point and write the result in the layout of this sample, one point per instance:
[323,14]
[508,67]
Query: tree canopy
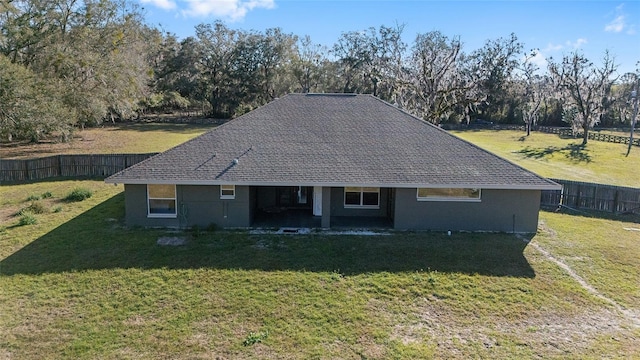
[75,63]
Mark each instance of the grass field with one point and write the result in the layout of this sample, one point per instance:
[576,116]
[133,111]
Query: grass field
[564,158]
[121,139]
[77,284]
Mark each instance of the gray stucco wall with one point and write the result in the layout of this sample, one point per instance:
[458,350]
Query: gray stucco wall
[338,209]
[197,205]
[135,203]
[202,206]
[498,210]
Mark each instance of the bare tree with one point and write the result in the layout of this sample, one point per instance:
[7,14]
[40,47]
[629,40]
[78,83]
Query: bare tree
[634,97]
[583,88]
[307,64]
[436,88]
[533,91]
[627,102]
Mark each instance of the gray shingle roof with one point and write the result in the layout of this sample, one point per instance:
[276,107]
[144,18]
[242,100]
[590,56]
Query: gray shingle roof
[331,140]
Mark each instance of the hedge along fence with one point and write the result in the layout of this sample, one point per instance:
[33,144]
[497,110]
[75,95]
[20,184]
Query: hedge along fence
[102,165]
[591,196]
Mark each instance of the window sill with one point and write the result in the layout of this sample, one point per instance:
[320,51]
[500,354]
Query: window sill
[372,207]
[449,199]
[162,216]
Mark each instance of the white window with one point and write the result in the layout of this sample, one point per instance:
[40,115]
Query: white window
[448,194]
[227,191]
[161,200]
[362,197]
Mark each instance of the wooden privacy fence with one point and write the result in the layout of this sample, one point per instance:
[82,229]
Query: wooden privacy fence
[67,166]
[583,195]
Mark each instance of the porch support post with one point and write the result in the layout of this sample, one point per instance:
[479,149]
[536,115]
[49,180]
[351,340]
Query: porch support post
[326,208]
[317,201]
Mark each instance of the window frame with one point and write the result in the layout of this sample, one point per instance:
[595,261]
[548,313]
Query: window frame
[450,198]
[227,196]
[361,192]
[163,215]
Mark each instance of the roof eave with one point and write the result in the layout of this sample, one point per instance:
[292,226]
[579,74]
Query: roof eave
[550,186]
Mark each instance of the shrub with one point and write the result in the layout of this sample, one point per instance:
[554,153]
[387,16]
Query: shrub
[33,197]
[47,195]
[27,218]
[36,207]
[79,194]
[254,338]
[57,209]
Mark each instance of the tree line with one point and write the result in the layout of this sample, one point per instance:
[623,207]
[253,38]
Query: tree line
[73,63]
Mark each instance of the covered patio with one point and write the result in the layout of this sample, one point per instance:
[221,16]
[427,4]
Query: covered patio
[305,207]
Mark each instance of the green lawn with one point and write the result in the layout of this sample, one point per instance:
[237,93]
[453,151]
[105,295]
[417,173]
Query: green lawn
[563,158]
[79,285]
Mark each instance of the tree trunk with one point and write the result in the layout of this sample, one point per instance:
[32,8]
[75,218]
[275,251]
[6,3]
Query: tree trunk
[633,122]
[528,129]
[585,135]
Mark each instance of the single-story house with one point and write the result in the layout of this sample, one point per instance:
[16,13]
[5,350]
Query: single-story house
[331,160]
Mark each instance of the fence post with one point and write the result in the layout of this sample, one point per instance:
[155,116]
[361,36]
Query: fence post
[26,170]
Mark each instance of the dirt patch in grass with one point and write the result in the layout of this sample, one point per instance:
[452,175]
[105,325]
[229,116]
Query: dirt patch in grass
[552,333]
[629,314]
[7,214]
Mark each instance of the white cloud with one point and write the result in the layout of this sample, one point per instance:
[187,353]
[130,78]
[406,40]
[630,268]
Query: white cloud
[619,22]
[539,60]
[617,25]
[163,4]
[576,44]
[233,10]
[553,47]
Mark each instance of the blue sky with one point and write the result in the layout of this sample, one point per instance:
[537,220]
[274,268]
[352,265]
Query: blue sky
[553,27]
